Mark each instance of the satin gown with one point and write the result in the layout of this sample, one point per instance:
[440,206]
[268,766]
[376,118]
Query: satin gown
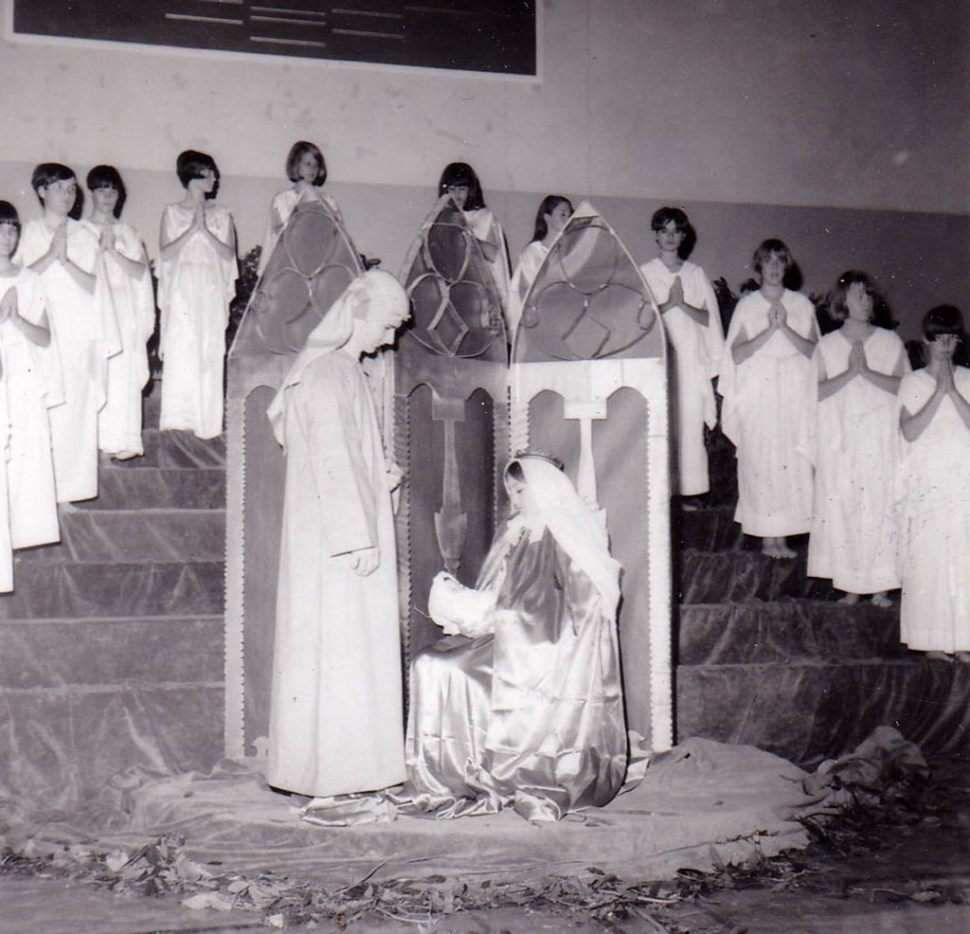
[531,715]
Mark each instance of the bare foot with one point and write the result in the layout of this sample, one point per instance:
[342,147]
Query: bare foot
[882,601]
[850,599]
[940,656]
[963,657]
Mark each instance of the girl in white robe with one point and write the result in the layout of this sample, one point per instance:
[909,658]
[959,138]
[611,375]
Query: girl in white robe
[130,283]
[853,539]
[336,702]
[67,256]
[934,495]
[553,214]
[307,169]
[196,283]
[766,381]
[460,182]
[29,378]
[692,323]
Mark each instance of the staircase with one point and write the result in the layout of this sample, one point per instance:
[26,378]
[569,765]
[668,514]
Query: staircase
[767,656]
[111,649]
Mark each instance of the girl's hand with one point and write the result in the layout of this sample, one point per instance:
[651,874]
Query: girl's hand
[59,243]
[107,240]
[366,561]
[781,314]
[944,381]
[8,305]
[857,358]
[676,296]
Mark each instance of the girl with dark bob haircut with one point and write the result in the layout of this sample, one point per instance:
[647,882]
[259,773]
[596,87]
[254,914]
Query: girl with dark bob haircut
[879,315]
[460,183]
[300,149]
[107,176]
[934,485]
[192,164]
[49,173]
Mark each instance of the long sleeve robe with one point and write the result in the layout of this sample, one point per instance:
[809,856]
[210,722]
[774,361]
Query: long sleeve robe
[336,709]
[696,362]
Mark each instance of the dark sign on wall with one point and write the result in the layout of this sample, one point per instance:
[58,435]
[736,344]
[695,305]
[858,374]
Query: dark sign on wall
[472,35]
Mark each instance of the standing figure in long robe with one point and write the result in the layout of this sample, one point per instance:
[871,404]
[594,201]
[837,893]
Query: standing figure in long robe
[66,255]
[336,707]
[130,283]
[307,169]
[934,495]
[459,182]
[767,379]
[553,214]
[30,373]
[857,445]
[196,283]
[523,705]
[692,322]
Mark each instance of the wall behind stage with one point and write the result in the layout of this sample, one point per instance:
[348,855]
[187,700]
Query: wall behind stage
[842,128]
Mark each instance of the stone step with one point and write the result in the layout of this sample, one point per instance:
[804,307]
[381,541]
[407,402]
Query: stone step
[174,449]
[52,590]
[808,711]
[788,632]
[158,488]
[707,529]
[745,574]
[60,746]
[62,653]
[92,536]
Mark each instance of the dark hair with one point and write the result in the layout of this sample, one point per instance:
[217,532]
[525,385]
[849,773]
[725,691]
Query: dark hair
[943,319]
[838,309]
[461,173]
[107,176]
[549,204]
[9,215]
[297,151]
[663,216]
[772,247]
[192,164]
[49,172]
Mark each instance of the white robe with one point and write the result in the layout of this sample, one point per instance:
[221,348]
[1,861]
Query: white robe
[853,536]
[934,507]
[120,421]
[766,413]
[85,329]
[32,378]
[526,270]
[284,204]
[696,361]
[336,709]
[195,288]
[486,228]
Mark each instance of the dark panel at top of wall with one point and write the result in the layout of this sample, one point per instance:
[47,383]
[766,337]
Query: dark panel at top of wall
[496,36]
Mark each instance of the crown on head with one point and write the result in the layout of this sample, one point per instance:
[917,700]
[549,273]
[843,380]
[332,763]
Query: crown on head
[553,459]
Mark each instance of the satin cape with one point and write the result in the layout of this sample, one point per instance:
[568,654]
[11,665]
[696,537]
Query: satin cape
[529,715]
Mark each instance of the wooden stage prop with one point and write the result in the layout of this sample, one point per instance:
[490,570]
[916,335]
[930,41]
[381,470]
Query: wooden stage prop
[587,382]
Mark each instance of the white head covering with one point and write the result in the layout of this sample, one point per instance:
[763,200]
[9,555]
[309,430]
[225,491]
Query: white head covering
[574,526]
[374,292]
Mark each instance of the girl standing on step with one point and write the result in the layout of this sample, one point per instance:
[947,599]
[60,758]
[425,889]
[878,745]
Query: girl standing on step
[307,169]
[196,283]
[934,494]
[26,391]
[459,182]
[84,328]
[130,284]
[766,380]
[692,322]
[553,214]
[859,367]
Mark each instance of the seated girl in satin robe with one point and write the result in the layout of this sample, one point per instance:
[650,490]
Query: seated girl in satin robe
[522,705]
